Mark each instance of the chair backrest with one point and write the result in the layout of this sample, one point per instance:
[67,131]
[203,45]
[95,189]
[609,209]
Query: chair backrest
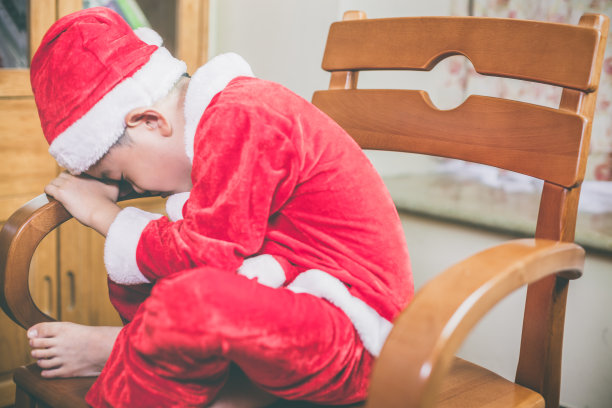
[549,144]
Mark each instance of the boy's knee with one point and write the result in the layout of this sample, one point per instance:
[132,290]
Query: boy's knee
[191,301]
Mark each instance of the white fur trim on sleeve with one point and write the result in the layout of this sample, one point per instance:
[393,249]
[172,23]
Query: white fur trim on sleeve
[373,329]
[175,204]
[265,269]
[121,243]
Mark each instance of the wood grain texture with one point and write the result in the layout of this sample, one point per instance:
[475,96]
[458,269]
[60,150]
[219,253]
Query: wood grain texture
[539,365]
[484,131]
[65,7]
[501,47]
[15,83]
[19,238]
[502,133]
[191,32]
[56,393]
[25,164]
[42,15]
[420,349]
[469,385]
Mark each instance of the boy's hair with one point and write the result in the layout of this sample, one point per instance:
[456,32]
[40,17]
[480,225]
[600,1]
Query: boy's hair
[90,70]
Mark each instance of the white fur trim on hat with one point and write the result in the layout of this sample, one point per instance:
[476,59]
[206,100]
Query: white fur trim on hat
[265,269]
[209,80]
[121,243]
[175,204]
[89,138]
[373,329]
[149,36]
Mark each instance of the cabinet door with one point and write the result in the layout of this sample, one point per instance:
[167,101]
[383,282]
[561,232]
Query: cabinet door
[14,349]
[83,279]
[25,168]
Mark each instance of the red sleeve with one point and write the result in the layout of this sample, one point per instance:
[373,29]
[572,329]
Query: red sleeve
[245,168]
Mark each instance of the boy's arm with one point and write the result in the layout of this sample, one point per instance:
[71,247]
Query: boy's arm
[245,169]
[88,200]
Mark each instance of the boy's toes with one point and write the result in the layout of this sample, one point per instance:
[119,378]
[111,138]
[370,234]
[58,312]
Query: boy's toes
[42,343]
[49,363]
[54,373]
[39,353]
[42,330]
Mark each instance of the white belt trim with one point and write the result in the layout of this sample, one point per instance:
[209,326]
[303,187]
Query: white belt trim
[265,269]
[373,329]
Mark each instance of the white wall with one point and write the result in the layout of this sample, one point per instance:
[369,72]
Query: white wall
[284,41]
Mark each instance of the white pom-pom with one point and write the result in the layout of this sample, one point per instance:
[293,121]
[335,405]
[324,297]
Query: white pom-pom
[149,36]
[175,204]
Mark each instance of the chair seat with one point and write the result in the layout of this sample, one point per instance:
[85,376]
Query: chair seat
[469,385]
[56,393]
[70,392]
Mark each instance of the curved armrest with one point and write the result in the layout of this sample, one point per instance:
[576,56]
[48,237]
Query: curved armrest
[19,238]
[420,349]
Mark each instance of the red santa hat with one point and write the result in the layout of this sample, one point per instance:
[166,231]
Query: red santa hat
[89,71]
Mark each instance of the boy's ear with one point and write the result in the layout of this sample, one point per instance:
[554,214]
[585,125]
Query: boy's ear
[150,118]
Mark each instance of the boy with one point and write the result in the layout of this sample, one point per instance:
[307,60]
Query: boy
[283,254]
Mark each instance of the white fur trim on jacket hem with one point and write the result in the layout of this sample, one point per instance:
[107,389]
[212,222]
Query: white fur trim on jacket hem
[175,204]
[84,142]
[205,83]
[265,269]
[121,243]
[373,329]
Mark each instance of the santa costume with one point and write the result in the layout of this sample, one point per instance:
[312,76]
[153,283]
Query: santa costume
[287,258]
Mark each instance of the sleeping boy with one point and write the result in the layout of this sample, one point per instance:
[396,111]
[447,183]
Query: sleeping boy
[281,254]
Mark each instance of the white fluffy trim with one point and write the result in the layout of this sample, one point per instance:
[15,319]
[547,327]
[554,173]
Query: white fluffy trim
[149,36]
[373,329]
[265,269]
[175,204]
[89,138]
[121,243]
[205,83]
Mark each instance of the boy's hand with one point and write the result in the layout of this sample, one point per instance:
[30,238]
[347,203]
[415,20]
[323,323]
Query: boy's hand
[90,201]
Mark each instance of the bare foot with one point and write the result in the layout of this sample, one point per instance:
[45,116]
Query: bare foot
[64,349]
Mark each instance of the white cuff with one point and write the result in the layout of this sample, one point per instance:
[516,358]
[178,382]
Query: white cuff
[175,204]
[265,269]
[121,243]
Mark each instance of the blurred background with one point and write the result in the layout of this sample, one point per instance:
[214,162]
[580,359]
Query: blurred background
[283,40]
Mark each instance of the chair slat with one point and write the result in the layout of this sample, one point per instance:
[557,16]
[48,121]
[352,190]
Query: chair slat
[501,47]
[507,134]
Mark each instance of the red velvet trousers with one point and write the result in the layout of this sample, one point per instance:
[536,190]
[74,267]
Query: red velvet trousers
[178,348]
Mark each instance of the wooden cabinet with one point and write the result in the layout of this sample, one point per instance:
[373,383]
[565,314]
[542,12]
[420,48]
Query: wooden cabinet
[67,277]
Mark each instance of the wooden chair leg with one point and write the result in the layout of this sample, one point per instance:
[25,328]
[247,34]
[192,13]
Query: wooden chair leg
[23,399]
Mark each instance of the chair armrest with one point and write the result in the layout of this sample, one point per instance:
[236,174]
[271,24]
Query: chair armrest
[421,346]
[19,238]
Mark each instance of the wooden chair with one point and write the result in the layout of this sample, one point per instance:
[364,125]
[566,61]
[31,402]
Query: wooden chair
[417,366]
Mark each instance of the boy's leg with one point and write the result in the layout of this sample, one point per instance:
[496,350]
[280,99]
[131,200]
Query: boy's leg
[178,348]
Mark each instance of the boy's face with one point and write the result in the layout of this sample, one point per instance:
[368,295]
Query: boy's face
[150,163]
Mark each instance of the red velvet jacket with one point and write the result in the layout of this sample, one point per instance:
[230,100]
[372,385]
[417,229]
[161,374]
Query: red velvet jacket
[272,175]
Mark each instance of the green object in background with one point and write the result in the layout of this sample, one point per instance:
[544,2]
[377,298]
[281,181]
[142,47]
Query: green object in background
[128,9]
